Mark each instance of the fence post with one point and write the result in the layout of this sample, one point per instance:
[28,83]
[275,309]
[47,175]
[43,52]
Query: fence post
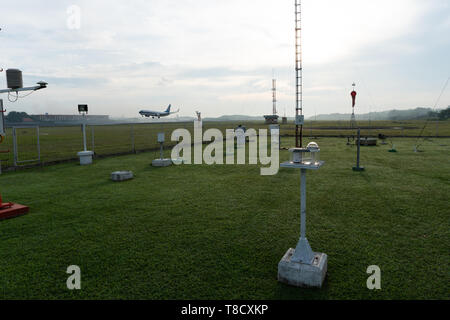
[133,149]
[38,144]
[93,139]
[14,146]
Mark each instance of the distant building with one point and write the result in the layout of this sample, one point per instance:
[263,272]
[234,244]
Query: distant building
[68,117]
[271,119]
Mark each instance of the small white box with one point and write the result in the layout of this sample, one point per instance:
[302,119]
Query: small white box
[162,162]
[121,175]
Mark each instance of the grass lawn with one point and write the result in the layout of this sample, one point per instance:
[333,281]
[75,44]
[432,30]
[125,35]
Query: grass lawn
[218,232]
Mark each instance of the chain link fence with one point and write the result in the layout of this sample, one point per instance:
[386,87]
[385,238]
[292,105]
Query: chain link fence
[40,145]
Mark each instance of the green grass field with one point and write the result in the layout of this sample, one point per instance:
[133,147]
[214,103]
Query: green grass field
[62,143]
[218,232]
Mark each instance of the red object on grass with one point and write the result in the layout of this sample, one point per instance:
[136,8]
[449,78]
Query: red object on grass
[11,210]
[353,97]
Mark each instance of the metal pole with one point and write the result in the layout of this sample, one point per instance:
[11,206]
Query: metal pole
[303,203]
[161,150]
[303,253]
[38,144]
[93,138]
[15,146]
[357,153]
[133,147]
[437,128]
[84,136]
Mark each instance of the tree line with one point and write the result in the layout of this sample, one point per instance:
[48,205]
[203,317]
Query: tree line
[443,114]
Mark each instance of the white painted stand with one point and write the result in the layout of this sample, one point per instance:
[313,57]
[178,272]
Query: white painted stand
[85,155]
[301,266]
[161,162]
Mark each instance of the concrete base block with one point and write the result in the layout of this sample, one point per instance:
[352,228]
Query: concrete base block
[303,275]
[85,157]
[121,175]
[162,162]
[177,161]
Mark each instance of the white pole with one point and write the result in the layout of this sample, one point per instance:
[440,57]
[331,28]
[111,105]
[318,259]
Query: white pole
[303,204]
[84,133]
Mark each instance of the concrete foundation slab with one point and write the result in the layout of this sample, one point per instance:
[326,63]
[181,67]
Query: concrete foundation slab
[162,162]
[121,175]
[300,274]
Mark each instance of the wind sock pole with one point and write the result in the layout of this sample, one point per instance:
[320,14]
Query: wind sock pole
[353,125]
[353,118]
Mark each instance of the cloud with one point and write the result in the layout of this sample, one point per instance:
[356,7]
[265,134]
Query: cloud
[219,55]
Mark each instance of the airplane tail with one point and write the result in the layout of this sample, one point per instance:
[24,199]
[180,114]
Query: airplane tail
[168,108]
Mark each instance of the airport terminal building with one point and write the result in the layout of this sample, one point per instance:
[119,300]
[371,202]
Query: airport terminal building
[68,117]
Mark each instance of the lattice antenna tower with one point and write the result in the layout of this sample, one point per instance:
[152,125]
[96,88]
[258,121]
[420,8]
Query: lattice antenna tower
[274,96]
[298,74]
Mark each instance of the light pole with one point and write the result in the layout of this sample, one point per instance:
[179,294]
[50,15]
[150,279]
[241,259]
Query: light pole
[85,155]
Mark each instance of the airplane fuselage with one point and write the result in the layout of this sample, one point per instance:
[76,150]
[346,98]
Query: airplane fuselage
[157,114]
[153,114]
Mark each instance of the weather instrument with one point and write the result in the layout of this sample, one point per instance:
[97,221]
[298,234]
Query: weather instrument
[161,162]
[301,266]
[353,118]
[14,83]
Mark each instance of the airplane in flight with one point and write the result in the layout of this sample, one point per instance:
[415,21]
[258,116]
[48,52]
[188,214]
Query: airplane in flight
[159,114]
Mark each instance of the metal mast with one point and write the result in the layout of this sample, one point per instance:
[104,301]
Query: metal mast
[274,96]
[298,74]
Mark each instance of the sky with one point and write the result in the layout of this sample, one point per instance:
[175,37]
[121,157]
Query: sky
[219,56]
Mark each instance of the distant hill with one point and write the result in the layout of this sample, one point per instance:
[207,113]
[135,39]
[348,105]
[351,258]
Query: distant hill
[410,114]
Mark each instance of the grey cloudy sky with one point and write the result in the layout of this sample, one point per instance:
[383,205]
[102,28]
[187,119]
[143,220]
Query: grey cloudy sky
[217,56]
